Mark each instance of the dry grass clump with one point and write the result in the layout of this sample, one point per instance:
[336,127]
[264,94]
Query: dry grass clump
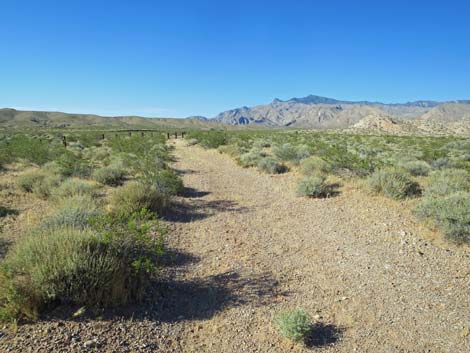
[38,182]
[393,183]
[291,153]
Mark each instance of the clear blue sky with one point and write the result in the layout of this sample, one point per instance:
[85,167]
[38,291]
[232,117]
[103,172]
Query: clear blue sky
[180,58]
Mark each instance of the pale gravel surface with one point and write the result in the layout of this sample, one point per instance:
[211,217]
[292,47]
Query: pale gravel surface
[248,248]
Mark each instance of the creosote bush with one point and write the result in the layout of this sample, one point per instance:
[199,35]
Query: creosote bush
[294,325]
[38,182]
[447,181]
[450,214]
[168,183]
[393,183]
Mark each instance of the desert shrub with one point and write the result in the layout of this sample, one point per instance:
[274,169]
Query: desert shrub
[290,153]
[232,150]
[43,188]
[447,181]
[111,175]
[314,186]
[441,163]
[29,179]
[210,139]
[271,166]
[294,325]
[261,143]
[73,212]
[168,183]
[251,158]
[134,196]
[393,183]
[313,165]
[107,266]
[75,187]
[451,214]
[72,164]
[416,168]
[38,182]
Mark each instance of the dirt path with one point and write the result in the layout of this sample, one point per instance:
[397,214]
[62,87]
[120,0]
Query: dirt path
[354,262]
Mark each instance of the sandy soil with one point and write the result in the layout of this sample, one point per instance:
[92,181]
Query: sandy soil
[245,247]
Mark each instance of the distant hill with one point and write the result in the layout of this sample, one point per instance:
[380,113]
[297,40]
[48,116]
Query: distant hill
[11,118]
[322,112]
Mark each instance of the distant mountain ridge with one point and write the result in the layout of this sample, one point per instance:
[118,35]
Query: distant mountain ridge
[322,112]
[12,118]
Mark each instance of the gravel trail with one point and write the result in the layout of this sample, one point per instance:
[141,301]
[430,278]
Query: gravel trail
[245,247]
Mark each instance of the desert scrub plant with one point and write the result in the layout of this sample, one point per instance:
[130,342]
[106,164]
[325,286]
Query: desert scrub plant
[290,153]
[313,165]
[393,183]
[271,166]
[416,168]
[314,186]
[447,181]
[38,182]
[72,164]
[168,183]
[111,175]
[251,158]
[134,196]
[75,212]
[450,214]
[294,325]
[106,266]
[76,187]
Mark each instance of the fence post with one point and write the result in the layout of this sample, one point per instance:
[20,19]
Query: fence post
[168,135]
[64,141]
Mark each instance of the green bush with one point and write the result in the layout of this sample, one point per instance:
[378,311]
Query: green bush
[393,183]
[105,267]
[76,187]
[168,183]
[72,164]
[451,214]
[447,181]
[314,186]
[416,168]
[111,175]
[134,196]
[73,212]
[313,165]
[271,166]
[294,325]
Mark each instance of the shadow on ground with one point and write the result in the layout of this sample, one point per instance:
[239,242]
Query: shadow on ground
[5,211]
[184,212]
[322,335]
[193,193]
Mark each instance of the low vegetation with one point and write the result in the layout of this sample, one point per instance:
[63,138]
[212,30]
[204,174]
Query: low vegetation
[294,325]
[101,242]
[393,183]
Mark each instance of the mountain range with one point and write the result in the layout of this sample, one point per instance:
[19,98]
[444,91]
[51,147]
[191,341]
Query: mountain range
[322,112]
